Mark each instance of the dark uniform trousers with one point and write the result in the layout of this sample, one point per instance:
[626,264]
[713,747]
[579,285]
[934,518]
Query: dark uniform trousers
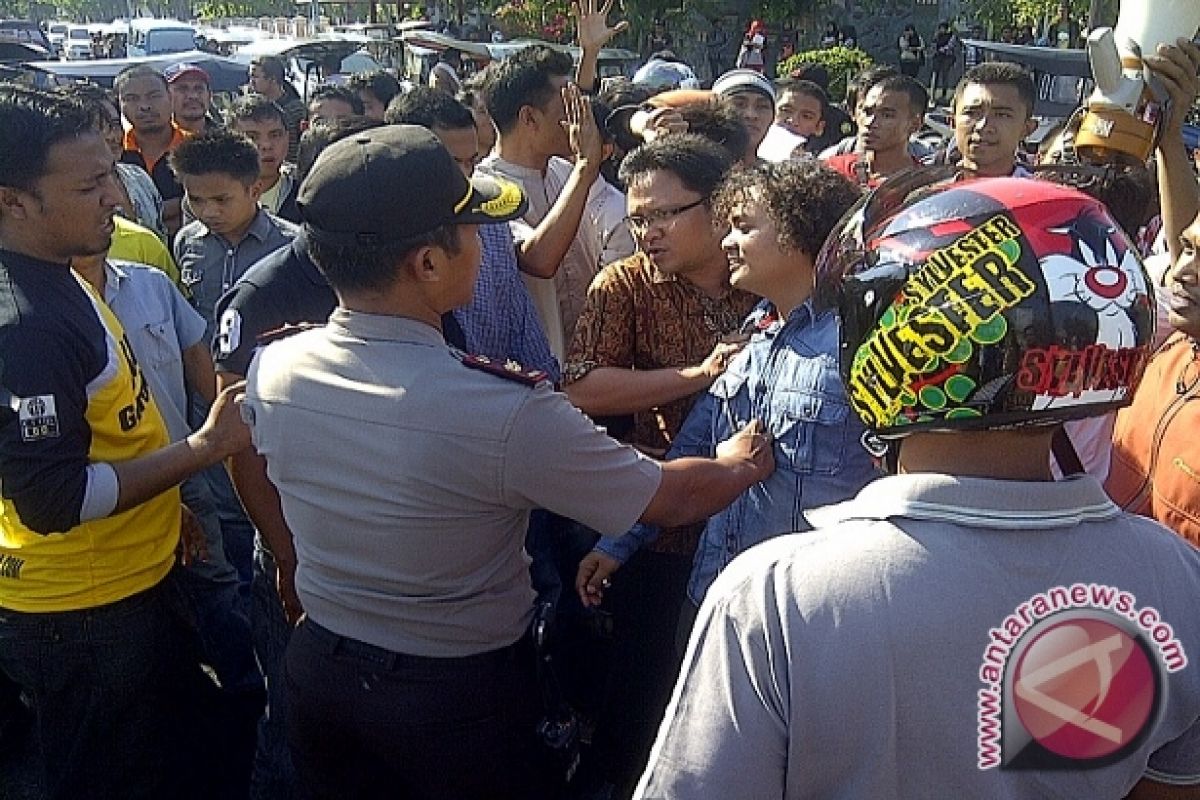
[365,722]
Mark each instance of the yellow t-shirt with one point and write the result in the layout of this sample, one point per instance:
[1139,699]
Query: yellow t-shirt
[98,561]
[132,242]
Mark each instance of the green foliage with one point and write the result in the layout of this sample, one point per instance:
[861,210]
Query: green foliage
[999,13]
[842,63]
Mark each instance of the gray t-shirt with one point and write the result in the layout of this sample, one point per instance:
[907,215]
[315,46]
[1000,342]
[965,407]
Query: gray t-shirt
[407,479]
[933,638]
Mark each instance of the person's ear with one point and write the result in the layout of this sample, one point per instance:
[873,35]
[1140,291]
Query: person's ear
[528,116]
[425,264]
[256,189]
[14,203]
[820,127]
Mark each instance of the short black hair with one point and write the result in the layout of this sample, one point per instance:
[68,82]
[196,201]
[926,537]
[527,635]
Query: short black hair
[137,71]
[864,80]
[314,140]
[272,67]
[219,151]
[31,122]
[1000,73]
[451,55]
[380,84]
[699,163]
[523,80]
[718,121]
[359,267]
[918,95]
[429,108]
[329,92]
[804,198]
[807,89]
[254,108]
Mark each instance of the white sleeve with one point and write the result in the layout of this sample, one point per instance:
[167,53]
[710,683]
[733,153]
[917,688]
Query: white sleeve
[100,496]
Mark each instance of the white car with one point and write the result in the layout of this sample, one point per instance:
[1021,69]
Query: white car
[57,34]
[77,46]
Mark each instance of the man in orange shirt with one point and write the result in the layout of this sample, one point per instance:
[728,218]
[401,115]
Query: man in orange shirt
[145,103]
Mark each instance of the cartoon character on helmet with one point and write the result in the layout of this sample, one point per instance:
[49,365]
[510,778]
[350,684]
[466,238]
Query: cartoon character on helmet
[985,304]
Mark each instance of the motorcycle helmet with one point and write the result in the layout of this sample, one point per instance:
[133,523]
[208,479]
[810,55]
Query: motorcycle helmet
[984,304]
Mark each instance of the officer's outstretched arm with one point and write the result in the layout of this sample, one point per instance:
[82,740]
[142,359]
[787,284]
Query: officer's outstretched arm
[693,489]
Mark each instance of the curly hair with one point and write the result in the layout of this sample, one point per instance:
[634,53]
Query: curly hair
[805,199]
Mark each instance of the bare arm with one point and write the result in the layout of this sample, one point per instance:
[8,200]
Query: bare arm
[1177,68]
[222,434]
[607,391]
[198,371]
[260,498]
[541,254]
[592,33]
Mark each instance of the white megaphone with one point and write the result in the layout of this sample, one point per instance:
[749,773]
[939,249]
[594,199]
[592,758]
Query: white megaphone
[1123,114]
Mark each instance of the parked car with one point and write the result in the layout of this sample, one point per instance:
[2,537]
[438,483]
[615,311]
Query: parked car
[226,75]
[57,34]
[23,31]
[152,37]
[78,44]
[306,58]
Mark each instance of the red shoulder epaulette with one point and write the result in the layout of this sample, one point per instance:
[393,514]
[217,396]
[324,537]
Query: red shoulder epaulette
[266,337]
[509,369]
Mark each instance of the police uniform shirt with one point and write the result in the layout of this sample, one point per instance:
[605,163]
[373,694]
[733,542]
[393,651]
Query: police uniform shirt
[407,479]
[81,399]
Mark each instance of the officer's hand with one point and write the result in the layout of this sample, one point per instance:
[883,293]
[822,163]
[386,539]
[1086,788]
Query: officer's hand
[751,446]
[1177,66]
[224,432]
[193,547]
[593,577]
[285,585]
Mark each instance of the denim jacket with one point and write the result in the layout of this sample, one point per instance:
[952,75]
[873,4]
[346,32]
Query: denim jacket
[787,377]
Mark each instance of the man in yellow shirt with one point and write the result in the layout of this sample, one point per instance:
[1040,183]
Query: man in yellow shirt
[89,509]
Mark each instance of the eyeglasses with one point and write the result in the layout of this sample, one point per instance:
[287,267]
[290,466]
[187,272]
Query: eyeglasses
[641,223]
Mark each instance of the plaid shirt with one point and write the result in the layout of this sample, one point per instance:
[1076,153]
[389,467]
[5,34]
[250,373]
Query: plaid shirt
[501,321]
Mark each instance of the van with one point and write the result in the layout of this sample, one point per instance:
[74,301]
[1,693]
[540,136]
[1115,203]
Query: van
[150,37]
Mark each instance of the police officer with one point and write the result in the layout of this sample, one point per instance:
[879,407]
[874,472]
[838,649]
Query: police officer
[407,471]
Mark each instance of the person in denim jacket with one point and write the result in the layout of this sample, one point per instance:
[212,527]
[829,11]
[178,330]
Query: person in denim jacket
[787,376]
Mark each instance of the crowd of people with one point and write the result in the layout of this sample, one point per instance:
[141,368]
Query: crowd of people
[526,436]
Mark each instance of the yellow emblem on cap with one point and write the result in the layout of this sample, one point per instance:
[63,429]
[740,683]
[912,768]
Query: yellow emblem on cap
[508,201]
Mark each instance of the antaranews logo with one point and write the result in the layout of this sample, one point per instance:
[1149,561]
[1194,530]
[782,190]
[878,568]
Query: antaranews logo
[1074,678]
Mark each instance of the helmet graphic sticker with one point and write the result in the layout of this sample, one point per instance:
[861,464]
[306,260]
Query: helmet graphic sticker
[984,304]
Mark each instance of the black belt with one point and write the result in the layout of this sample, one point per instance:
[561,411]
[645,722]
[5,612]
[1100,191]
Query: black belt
[335,644]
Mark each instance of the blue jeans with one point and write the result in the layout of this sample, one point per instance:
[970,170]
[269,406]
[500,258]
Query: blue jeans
[115,692]
[273,777]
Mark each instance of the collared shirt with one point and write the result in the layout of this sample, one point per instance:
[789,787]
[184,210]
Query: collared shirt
[641,318]
[898,631]
[638,317]
[209,265]
[407,478]
[787,378]
[160,170]
[84,403]
[501,322]
[560,300]
[160,325]
[131,242]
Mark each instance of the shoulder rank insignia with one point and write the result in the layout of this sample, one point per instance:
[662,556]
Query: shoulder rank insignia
[506,369]
[266,337]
